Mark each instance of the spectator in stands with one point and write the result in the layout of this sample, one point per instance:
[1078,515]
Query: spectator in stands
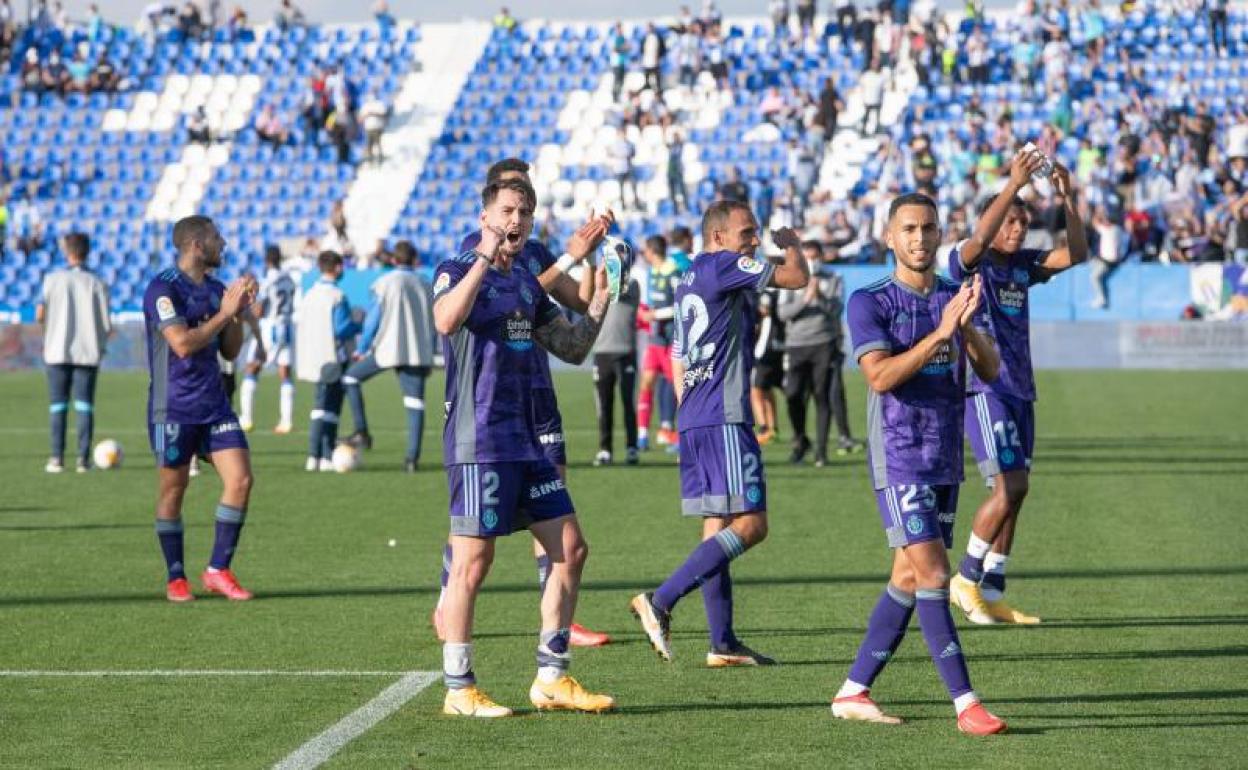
[79,70]
[96,26]
[269,127]
[801,169]
[1216,10]
[711,17]
[887,40]
[27,225]
[288,15]
[864,33]
[871,86]
[197,127]
[1111,251]
[155,16]
[339,127]
[830,106]
[237,25]
[732,188]
[620,154]
[678,190]
[373,116]
[382,15]
[621,54]
[773,107]
[846,21]
[689,54]
[653,51]
[190,22]
[104,78]
[54,75]
[336,238]
[778,10]
[805,17]
[378,257]
[1199,129]
[31,73]
[4,222]
[715,58]
[504,21]
[977,54]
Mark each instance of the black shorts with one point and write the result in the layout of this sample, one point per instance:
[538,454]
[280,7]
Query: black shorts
[769,371]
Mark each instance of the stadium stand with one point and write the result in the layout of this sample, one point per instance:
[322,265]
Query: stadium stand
[120,166]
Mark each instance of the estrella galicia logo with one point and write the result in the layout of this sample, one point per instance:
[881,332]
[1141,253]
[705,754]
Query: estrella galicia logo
[518,331]
[914,524]
[753,494]
[490,518]
[1007,455]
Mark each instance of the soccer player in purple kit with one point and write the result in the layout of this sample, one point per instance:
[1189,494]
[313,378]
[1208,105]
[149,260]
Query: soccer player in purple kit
[912,336]
[1000,414]
[555,281]
[189,317]
[491,312]
[721,466]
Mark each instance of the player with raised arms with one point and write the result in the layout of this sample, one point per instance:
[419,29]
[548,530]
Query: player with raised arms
[553,275]
[912,335]
[491,311]
[721,465]
[190,317]
[1000,414]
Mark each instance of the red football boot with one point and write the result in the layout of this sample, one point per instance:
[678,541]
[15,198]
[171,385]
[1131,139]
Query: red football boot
[223,582]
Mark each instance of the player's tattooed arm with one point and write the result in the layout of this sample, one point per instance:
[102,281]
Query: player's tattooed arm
[570,342]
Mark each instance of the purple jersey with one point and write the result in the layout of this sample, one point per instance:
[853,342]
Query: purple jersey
[915,429]
[1006,315]
[491,366]
[183,390]
[535,258]
[716,313]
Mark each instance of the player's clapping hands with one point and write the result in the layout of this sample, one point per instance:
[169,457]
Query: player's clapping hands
[239,296]
[951,316]
[976,286]
[589,235]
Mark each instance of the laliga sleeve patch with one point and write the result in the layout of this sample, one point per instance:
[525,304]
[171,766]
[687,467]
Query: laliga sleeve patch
[749,265]
[443,283]
[164,309]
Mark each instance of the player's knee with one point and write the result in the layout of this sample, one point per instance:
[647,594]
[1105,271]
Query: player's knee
[471,572]
[1016,491]
[240,485]
[751,529]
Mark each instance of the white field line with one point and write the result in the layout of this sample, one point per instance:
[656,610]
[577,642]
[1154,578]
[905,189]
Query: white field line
[317,751]
[15,674]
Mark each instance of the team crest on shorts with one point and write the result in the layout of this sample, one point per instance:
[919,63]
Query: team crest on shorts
[753,494]
[171,454]
[914,524]
[489,518]
[1007,455]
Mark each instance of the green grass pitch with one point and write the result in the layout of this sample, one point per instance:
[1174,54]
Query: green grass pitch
[1132,548]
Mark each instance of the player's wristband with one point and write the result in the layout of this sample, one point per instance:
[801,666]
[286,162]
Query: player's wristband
[565,262]
[481,256]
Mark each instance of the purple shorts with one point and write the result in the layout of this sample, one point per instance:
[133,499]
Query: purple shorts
[916,513]
[721,471]
[174,444]
[1002,430]
[549,426]
[495,499]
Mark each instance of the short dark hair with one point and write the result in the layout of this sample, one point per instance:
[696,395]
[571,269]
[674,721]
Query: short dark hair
[328,260]
[491,191]
[78,245]
[405,253]
[681,235]
[814,246]
[273,255]
[717,214]
[911,199]
[193,228]
[505,165]
[657,244]
[986,204]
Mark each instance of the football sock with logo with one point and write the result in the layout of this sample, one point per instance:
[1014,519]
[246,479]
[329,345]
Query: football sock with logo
[169,533]
[885,630]
[246,397]
[543,572]
[553,657]
[286,403]
[932,606]
[709,557]
[229,525]
[993,584]
[717,599]
[972,566]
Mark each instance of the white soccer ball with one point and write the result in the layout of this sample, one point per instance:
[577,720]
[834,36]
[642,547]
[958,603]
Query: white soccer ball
[345,458]
[107,454]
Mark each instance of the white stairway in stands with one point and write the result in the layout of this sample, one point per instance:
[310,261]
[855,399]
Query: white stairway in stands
[445,57]
[842,165]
